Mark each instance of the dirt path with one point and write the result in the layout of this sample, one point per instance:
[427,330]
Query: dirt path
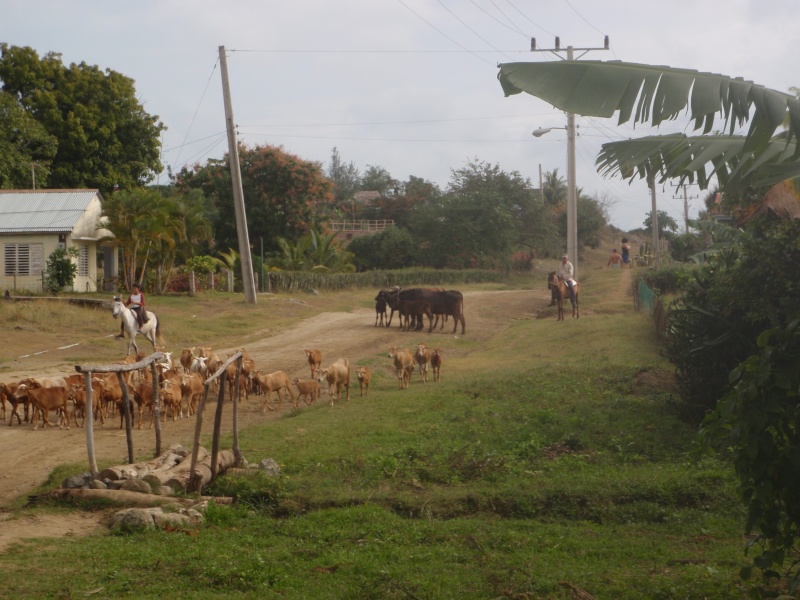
[29,456]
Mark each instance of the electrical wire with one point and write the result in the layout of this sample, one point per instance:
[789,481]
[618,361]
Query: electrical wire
[429,24]
[213,69]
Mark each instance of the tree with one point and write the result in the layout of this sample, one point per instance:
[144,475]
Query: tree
[25,145]
[151,228]
[392,248]
[475,224]
[378,179]
[554,188]
[61,269]
[283,194]
[105,138]
[665,223]
[346,180]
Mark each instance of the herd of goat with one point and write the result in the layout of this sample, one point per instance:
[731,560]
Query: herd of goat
[181,384]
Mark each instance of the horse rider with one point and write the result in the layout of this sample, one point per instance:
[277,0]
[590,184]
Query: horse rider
[136,303]
[566,271]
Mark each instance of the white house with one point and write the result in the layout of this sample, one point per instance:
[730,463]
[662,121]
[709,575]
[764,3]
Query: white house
[34,223]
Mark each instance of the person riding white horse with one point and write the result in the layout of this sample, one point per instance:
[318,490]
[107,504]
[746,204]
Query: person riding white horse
[136,303]
[133,324]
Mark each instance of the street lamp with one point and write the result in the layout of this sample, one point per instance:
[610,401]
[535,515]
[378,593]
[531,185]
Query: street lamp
[572,195]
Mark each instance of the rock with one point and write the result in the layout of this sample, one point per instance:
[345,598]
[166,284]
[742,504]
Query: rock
[165,490]
[161,518]
[77,481]
[270,466]
[136,485]
[96,484]
[133,519]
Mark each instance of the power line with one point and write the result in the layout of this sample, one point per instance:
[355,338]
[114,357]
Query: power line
[214,68]
[429,24]
[460,20]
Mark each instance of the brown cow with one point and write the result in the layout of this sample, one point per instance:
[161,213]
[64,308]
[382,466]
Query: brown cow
[192,387]
[187,356]
[403,364]
[274,382]
[314,360]
[436,363]
[309,389]
[422,357]
[338,375]
[363,375]
[44,400]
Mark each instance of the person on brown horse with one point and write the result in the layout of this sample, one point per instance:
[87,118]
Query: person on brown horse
[566,271]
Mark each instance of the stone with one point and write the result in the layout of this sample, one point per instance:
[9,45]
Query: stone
[77,481]
[133,519]
[96,484]
[136,485]
[270,466]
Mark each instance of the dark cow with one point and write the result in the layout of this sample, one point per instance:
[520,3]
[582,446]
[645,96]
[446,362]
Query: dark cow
[445,303]
[411,309]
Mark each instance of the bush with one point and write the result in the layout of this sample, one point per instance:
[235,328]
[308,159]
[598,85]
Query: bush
[61,270]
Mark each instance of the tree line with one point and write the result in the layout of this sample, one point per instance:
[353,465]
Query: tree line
[75,126]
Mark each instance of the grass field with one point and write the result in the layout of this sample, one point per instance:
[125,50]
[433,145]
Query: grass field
[549,463]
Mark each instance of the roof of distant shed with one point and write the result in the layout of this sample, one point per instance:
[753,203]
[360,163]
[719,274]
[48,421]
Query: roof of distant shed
[43,211]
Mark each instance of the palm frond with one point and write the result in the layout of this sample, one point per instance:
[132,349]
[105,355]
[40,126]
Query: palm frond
[655,94]
[696,159]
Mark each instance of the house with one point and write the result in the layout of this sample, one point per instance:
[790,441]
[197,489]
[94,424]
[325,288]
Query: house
[34,223]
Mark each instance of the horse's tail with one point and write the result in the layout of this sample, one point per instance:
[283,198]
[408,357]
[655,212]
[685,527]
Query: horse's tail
[159,337]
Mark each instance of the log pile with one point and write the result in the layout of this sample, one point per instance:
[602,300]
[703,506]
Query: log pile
[172,469]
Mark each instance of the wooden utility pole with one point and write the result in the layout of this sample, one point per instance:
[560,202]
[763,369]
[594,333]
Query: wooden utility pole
[248,282]
[686,199]
[651,183]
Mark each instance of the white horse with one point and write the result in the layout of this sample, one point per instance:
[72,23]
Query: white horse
[149,329]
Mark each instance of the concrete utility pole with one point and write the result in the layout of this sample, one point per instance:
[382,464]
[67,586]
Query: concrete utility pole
[686,199]
[248,281]
[572,189]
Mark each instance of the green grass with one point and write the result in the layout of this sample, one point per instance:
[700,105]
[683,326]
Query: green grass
[545,462]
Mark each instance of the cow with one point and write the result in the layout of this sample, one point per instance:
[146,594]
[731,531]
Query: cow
[444,303]
[274,382]
[364,376]
[380,310]
[309,389]
[388,296]
[436,363]
[422,357]
[337,375]
[416,309]
[187,357]
[192,388]
[403,364]
[45,399]
[314,360]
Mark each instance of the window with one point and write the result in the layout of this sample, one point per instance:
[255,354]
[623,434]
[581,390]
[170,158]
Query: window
[83,260]
[24,259]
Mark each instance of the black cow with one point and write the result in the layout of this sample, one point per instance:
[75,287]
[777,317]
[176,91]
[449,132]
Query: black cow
[443,303]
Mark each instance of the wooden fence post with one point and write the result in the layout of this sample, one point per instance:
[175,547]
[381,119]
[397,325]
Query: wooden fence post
[89,419]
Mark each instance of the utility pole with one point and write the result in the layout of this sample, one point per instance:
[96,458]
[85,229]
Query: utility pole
[572,189]
[248,282]
[686,199]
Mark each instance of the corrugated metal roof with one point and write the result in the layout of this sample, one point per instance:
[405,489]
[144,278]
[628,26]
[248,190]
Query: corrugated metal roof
[34,211]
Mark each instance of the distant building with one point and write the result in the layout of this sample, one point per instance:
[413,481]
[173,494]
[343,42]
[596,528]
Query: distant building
[34,223]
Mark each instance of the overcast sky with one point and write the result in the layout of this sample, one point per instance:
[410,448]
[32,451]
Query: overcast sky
[407,85]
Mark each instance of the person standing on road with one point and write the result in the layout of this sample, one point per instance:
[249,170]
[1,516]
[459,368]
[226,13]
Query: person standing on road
[615,260]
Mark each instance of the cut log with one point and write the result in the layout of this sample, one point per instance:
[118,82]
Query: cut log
[180,480]
[163,477]
[167,460]
[134,498]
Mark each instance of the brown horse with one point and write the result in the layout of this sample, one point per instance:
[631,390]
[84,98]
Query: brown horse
[558,285]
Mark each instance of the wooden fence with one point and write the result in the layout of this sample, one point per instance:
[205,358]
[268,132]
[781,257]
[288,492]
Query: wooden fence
[196,480]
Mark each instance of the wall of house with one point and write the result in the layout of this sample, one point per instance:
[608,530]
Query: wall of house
[85,281]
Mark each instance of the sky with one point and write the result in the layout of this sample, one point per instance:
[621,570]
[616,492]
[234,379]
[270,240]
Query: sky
[406,85]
